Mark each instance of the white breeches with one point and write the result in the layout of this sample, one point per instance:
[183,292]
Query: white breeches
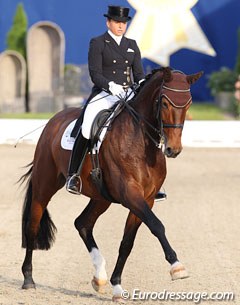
[101,101]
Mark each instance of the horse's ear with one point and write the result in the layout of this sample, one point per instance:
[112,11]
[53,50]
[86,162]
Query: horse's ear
[191,79]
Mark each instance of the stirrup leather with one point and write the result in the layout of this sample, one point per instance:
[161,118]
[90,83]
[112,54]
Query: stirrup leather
[74,184]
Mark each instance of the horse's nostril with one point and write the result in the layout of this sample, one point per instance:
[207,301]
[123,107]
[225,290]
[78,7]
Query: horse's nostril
[171,153]
[168,151]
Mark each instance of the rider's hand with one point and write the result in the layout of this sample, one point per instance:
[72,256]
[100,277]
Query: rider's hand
[116,89]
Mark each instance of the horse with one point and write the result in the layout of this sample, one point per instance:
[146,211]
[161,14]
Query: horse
[133,162]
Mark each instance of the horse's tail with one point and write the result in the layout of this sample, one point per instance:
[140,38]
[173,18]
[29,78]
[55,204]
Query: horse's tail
[46,234]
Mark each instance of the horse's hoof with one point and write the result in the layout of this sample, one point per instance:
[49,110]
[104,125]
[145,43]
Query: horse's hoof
[178,272]
[99,285]
[119,299]
[30,285]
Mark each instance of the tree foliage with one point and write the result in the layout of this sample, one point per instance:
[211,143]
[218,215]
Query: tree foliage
[16,37]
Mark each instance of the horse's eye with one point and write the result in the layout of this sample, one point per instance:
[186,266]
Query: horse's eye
[164,105]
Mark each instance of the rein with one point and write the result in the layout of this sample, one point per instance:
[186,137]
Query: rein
[138,118]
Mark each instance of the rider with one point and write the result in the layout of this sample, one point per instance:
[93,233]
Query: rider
[114,63]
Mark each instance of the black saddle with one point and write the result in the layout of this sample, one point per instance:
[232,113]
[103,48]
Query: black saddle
[99,123]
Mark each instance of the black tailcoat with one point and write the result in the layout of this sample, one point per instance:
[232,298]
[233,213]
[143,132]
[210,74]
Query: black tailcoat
[108,61]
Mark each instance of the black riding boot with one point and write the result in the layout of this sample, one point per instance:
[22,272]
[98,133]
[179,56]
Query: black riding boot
[80,149]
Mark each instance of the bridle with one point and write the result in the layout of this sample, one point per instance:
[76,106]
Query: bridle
[161,125]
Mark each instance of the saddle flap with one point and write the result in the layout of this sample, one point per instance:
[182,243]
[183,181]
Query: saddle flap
[100,121]
[103,120]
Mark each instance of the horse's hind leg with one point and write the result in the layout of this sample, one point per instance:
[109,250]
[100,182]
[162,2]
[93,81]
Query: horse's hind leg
[39,234]
[37,227]
[84,224]
[130,231]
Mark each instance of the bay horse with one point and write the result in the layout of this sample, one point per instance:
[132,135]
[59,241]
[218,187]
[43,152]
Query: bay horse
[134,168]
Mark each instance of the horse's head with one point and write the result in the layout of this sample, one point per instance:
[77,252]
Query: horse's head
[174,101]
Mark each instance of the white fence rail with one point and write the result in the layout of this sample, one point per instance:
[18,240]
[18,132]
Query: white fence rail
[195,133]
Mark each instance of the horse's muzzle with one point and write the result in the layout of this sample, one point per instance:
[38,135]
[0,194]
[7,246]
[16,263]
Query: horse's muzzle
[171,153]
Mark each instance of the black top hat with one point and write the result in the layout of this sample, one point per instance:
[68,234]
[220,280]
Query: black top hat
[118,13]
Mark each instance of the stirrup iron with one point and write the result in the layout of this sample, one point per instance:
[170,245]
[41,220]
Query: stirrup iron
[74,184]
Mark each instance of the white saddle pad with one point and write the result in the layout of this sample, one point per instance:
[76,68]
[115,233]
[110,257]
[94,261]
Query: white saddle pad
[67,141]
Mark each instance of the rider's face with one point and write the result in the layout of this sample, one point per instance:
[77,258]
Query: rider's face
[116,27]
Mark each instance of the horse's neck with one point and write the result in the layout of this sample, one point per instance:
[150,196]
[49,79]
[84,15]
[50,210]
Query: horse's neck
[146,100]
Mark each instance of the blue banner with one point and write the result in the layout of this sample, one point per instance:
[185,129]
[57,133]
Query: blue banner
[188,35]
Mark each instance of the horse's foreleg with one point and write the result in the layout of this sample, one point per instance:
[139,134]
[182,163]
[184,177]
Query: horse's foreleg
[84,224]
[130,231]
[140,208]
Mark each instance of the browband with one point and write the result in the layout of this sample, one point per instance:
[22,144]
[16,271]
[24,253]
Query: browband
[175,90]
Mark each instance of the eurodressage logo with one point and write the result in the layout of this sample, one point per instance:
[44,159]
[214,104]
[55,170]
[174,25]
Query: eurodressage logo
[196,297]
[161,27]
